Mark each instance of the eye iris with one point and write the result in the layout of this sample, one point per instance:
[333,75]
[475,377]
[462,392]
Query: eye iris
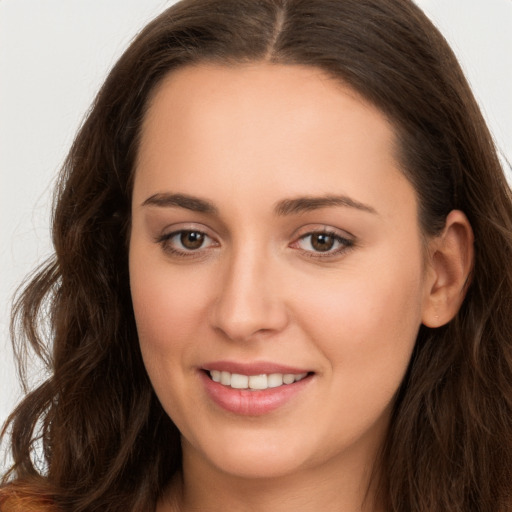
[322,242]
[192,239]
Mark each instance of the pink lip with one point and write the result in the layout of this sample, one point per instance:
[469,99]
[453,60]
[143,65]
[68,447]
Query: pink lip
[245,402]
[256,368]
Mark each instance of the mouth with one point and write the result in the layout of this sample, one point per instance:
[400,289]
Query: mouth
[258,382]
[256,388]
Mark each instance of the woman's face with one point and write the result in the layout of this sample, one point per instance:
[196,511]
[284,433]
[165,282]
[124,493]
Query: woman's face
[274,246]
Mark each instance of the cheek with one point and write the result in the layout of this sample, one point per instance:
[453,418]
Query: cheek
[167,305]
[366,323]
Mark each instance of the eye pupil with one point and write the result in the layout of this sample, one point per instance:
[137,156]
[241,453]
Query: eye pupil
[192,239]
[322,242]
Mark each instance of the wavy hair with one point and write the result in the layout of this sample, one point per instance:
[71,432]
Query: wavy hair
[107,445]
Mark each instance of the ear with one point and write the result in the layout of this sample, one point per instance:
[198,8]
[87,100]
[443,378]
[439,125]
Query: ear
[450,261]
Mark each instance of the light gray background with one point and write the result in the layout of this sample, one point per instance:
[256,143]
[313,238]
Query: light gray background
[54,55]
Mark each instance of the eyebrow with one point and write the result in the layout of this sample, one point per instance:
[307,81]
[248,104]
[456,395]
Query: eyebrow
[309,203]
[282,208]
[182,201]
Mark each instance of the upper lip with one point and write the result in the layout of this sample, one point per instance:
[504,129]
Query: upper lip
[254,368]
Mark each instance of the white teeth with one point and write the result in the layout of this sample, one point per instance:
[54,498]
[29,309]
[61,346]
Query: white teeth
[288,378]
[275,380]
[255,382]
[239,381]
[258,382]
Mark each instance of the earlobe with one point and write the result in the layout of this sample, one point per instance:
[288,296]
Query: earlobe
[450,263]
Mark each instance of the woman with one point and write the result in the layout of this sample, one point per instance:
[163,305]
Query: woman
[282,275]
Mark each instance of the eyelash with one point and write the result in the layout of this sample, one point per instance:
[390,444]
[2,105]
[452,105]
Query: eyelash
[166,242]
[345,244]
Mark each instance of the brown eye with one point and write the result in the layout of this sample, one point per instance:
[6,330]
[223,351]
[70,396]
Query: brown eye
[192,240]
[322,242]
[186,243]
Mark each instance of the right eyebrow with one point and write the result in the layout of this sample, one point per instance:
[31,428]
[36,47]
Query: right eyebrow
[186,201]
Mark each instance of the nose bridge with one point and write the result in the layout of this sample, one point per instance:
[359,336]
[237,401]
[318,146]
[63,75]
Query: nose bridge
[248,301]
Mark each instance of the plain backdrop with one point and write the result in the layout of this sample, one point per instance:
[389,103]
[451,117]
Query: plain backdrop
[54,55]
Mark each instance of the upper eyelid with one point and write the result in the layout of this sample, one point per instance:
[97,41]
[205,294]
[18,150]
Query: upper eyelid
[323,228]
[179,227]
[335,235]
[171,234]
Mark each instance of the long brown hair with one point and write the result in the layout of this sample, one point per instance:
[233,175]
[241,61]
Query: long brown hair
[107,445]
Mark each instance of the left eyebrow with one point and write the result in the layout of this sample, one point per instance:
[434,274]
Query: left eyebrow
[308,203]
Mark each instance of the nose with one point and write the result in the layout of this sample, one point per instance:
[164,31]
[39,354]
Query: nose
[249,301]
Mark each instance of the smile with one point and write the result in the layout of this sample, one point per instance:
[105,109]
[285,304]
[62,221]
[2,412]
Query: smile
[255,382]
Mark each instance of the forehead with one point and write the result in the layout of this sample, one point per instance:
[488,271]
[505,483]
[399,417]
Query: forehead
[295,95]
[288,129]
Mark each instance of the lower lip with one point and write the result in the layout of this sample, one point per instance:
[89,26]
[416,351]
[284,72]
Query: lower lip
[252,403]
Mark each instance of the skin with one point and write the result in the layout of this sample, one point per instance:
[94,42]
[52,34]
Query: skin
[245,139]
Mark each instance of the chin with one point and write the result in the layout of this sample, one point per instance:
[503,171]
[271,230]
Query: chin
[255,458]
[259,469]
